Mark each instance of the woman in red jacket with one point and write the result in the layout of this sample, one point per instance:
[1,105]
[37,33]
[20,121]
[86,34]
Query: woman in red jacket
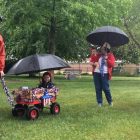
[2,54]
[105,61]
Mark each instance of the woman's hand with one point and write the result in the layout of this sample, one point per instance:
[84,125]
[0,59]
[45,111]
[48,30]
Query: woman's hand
[106,57]
[91,63]
[1,74]
[96,64]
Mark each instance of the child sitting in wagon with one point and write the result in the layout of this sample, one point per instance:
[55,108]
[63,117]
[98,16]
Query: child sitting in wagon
[47,84]
[50,89]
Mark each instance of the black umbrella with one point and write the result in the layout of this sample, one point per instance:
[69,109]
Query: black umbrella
[37,63]
[113,35]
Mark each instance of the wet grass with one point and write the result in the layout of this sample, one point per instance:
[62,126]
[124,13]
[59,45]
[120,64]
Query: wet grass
[80,117]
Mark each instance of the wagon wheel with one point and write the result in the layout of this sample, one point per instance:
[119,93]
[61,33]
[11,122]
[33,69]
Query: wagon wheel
[18,110]
[55,108]
[40,107]
[32,113]
[14,112]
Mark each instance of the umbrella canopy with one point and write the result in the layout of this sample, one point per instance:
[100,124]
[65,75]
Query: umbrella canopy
[37,63]
[113,35]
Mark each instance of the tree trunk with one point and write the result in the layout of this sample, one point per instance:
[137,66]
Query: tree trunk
[52,31]
[52,36]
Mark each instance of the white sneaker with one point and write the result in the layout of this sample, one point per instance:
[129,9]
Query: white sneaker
[100,105]
[111,104]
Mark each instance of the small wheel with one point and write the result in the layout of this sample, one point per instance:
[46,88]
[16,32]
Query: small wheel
[32,113]
[18,111]
[14,112]
[40,107]
[55,108]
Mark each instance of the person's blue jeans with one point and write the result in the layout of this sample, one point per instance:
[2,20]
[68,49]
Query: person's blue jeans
[102,84]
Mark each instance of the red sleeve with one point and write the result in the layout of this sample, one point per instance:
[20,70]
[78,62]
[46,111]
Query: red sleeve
[2,54]
[111,60]
[93,58]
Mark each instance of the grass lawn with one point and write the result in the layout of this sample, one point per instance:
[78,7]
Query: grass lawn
[80,117]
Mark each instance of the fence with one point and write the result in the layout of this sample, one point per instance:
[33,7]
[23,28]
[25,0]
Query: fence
[129,69]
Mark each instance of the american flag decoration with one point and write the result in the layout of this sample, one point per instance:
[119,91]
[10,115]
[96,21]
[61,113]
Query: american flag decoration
[46,102]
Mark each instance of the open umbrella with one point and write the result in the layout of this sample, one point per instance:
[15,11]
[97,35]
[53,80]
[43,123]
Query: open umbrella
[113,35]
[37,63]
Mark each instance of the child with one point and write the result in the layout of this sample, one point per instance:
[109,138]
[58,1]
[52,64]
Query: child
[93,59]
[46,81]
[47,84]
[50,89]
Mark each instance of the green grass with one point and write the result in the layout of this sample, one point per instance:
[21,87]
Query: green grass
[80,117]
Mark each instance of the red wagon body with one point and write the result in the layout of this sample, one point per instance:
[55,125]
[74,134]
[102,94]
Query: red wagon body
[30,102]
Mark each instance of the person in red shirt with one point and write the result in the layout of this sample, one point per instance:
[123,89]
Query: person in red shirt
[2,55]
[93,57]
[104,64]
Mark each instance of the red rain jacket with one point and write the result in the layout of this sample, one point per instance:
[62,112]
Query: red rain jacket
[2,54]
[110,62]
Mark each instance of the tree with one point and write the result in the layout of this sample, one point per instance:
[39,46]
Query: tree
[131,52]
[57,26]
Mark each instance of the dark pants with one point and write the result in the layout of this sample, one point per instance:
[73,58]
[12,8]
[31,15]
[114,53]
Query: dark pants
[102,83]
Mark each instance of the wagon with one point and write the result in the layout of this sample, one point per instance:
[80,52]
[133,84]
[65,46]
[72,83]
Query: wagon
[30,102]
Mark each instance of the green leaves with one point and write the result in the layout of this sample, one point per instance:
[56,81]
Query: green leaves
[58,27]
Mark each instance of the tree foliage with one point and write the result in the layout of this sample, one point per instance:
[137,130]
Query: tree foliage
[57,26]
[131,52]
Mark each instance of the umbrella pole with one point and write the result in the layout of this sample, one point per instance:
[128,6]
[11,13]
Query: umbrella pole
[52,73]
[39,77]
